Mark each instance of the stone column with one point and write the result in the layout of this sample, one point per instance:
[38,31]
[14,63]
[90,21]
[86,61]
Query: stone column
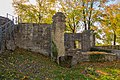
[58,29]
[87,40]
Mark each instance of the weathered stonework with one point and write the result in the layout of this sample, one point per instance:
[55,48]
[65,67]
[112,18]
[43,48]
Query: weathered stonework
[58,29]
[117,52]
[40,38]
[86,40]
[3,20]
[34,37]
[112,48]
[104,56]
[6,34]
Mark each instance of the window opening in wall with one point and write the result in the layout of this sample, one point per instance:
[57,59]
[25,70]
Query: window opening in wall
[77,44]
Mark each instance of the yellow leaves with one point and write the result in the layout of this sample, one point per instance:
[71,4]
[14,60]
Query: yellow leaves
[78,18]
[118,32]
[107,30]
[52,0]
[94,28]
[114,21]
[78,8]
[111,19]
[25,78]
[35,13]
[118,16]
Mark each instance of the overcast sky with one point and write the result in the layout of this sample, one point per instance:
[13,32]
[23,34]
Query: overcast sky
[6,7]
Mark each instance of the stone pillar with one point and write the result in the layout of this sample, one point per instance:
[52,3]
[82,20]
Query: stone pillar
[58,29]
[87,40]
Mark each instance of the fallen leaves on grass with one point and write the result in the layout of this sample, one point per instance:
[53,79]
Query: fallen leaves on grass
[101,72]
[22,64]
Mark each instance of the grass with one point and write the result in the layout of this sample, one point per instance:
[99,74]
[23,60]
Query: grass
[25,65]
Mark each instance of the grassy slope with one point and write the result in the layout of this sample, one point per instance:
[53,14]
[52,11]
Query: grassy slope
[25,65]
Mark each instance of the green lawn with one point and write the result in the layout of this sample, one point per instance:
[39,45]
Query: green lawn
[24,65]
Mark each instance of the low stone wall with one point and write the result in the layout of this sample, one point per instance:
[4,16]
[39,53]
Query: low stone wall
[98,56]
[117,47]
[117,52]
[79,56]
[114,49]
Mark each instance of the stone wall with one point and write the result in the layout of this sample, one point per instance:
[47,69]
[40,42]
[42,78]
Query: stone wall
[6,34]
[3,20]
[39,38]
[117,52]
[85,39]
[116,47]
[70,39]
[113,48]
[34,37]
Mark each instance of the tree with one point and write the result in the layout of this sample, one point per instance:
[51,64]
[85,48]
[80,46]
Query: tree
[81,13]
[110,22]
[91,12]
[42,12]
[72,11]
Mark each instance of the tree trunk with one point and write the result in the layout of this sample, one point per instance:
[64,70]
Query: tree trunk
[84,16]
[89,21]
[114,37]
[74,26]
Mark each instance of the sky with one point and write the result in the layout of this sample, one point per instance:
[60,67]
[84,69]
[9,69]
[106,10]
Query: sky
[6,7]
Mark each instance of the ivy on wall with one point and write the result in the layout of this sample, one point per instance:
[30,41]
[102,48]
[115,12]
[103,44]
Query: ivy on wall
[54,51]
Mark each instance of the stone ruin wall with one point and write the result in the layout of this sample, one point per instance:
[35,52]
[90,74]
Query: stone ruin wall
[86,40]
[39,37]
[113,48]
[117,47]
[6,34]
[34,37]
